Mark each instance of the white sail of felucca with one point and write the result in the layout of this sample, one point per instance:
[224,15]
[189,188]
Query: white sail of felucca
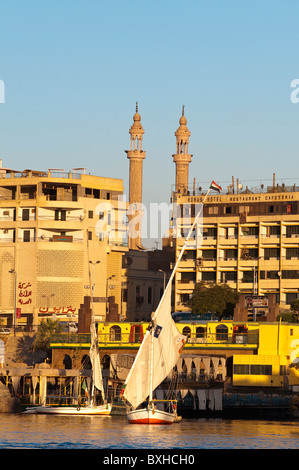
[167,345]
[95,360]
[162,344]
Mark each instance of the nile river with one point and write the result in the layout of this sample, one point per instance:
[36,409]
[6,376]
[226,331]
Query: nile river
[29,431]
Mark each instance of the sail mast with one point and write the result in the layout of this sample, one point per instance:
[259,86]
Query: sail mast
[141,379]
[151,369]
[184,246]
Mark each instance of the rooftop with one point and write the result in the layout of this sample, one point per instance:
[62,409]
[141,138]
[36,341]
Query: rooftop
[238,186]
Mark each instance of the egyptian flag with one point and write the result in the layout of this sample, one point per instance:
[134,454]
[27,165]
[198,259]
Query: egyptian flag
[215,187]
[84,386]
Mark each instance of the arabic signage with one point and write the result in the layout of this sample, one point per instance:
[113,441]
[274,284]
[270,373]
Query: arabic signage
[24,298]
[57,310]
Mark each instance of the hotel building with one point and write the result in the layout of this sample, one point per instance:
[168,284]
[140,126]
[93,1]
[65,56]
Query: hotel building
[247,238]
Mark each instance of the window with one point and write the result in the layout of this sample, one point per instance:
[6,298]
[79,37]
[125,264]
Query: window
[260,369]
[209,255]
[247,276]
[115,333]
[213,210]
[89,235]
[221,332]
[184,298]
[292,253]
[125,295]
[291,274]
[292,231]
[60,214]
[272,253]
[188,277]
[90,214]
[209,276]
[269,275]
[26,236]
[187,331]
[25,214]
[253,369]
[200,332]
[230,254]
[241,369]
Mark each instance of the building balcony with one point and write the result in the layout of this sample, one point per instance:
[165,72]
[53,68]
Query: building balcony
[249,239]
[227,240]
[187,263]
[290,284]
[208,263]
[225,262]
[271,240]
[269,283]
[184,285]
[58,201]
[248,262]
[293,240]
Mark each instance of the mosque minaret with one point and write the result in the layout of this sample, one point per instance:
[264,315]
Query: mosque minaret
[182,158]
[136,156]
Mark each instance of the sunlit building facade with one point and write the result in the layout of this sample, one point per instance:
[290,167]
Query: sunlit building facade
[59,237]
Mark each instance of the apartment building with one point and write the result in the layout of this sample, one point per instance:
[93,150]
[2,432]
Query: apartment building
[249,240]
[61,233]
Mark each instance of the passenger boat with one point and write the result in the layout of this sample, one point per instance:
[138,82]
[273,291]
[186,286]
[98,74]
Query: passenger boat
[156,357]
[97,383]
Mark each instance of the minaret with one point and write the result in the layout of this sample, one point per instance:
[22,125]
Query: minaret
[182,158]
[136,156]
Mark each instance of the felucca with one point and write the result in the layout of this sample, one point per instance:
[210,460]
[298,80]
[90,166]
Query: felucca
[156,357]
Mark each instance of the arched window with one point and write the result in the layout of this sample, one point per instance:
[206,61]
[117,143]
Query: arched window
[115,333]
[86,362]
[187,331]
[67,362]
[200,332]
[221,332]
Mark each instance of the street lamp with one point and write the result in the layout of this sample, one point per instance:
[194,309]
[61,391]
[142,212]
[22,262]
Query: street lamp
[13,271]
[93,282]
[107,288]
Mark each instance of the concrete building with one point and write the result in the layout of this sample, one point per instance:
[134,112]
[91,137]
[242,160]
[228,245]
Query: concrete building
[247,238]
[59,236]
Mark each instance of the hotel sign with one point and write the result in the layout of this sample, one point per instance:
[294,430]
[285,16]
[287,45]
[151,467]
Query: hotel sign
[241,198]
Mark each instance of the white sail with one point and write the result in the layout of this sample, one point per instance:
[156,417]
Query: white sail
[95,361]
[167,345]
[162,345]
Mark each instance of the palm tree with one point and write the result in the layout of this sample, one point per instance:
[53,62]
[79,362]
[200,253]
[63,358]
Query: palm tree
[47,328]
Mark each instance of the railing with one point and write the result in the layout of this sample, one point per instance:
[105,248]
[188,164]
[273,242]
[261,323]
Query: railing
[70,338]
[125,339]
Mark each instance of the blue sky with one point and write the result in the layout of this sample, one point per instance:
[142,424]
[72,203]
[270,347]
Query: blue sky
[73,71]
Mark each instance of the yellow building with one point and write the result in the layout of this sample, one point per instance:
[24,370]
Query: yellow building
[59,236]
[247,238]
[249,241]
[276,361]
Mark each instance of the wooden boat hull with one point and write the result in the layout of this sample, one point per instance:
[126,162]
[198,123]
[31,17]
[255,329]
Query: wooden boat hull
[65,410]
[149,416]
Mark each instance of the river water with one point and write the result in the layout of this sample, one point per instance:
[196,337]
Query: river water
[29,431]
